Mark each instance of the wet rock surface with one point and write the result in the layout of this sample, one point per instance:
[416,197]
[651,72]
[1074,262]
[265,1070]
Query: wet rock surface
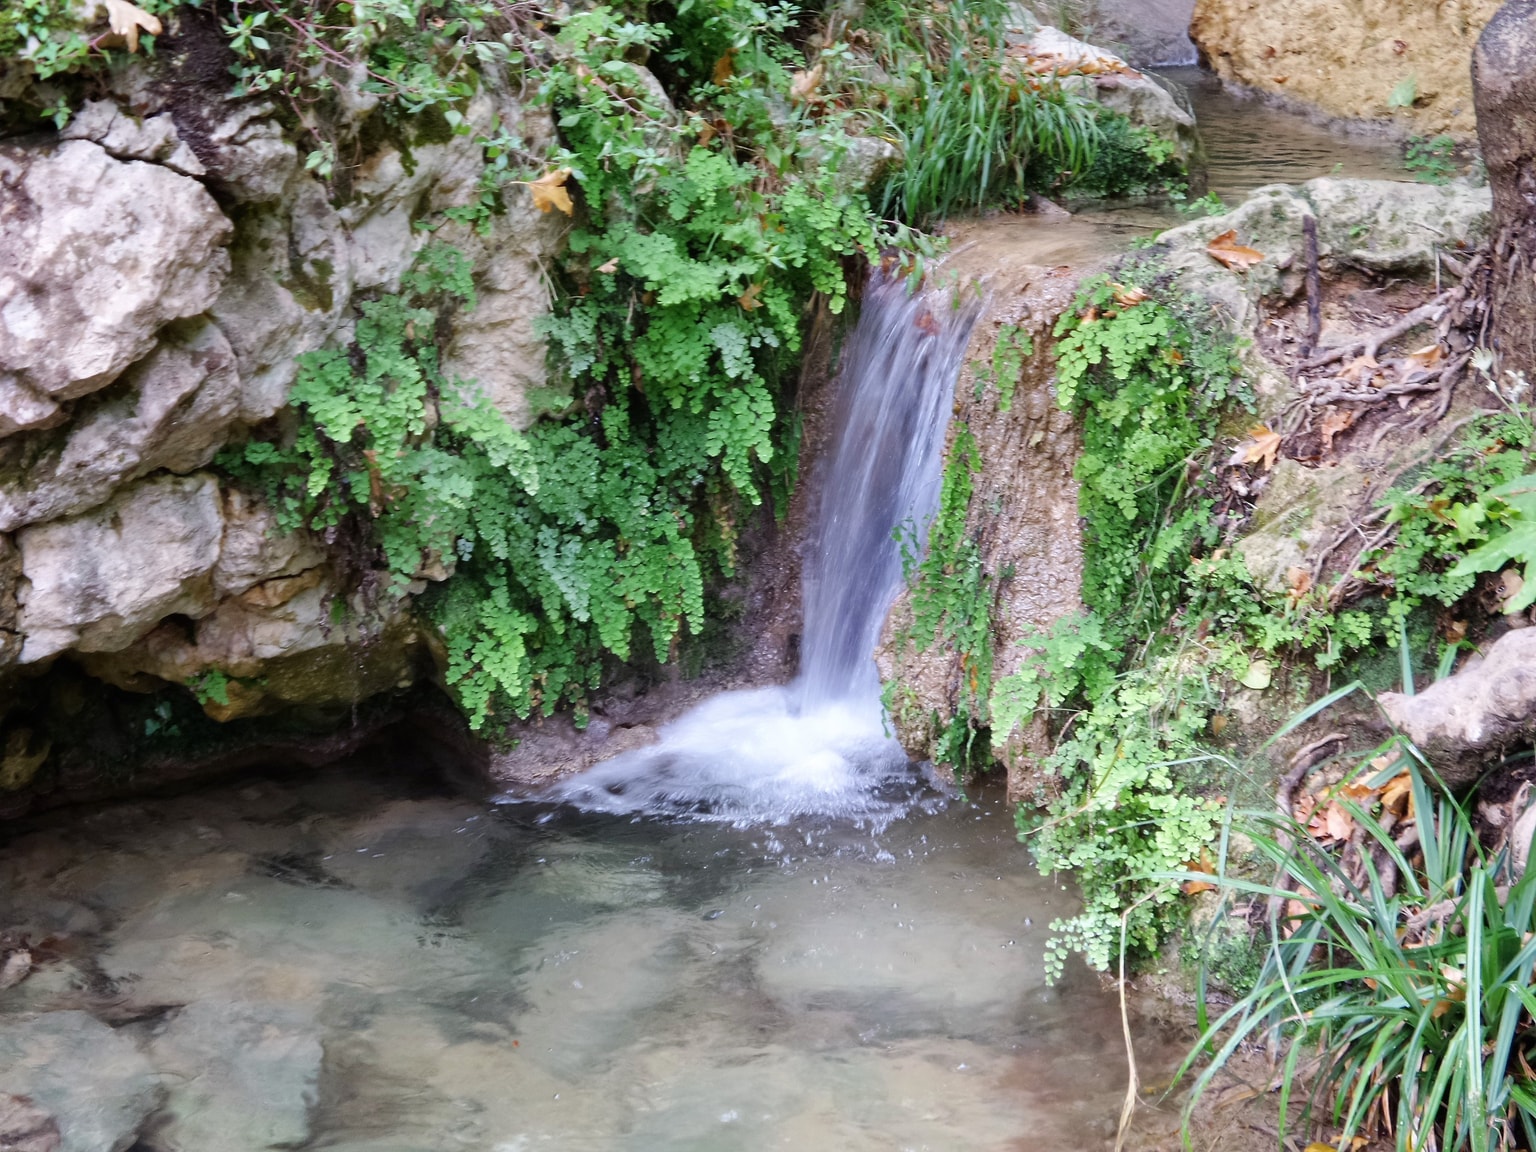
[1347,60]
[94,1083]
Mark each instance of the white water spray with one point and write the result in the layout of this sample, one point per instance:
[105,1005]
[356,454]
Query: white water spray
[820,746]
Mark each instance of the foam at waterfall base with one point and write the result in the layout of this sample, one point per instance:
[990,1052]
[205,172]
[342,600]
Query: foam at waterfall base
[756,757]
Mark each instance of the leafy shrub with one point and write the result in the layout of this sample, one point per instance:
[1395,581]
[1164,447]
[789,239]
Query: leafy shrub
[1399,990]
[973,131]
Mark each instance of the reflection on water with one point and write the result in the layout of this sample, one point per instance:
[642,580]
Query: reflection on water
[513,978]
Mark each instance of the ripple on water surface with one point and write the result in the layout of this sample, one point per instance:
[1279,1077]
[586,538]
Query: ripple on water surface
[517,978]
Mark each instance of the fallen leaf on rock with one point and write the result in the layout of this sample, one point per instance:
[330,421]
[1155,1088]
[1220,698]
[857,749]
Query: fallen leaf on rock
[549,191]
[1335,420]
[1298,582]
[1360,370]
[1203,865]
[1426,357]
[127,19]
[1225,250]
[1265,446]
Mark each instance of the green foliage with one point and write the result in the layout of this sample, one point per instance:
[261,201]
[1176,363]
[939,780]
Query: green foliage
[1409,998]
[1405,93]
[1014,345]
[1148,383]
[689,267]
[1451,508]
[1148,389]
[952,597]
[1432,159]
[1129,161]
[211,686]
[974,130]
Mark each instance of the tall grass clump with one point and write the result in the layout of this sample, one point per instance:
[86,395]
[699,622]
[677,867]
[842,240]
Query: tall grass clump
[975,131]
[1396,988]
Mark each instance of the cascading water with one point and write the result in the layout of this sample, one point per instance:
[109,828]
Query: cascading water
[820,746]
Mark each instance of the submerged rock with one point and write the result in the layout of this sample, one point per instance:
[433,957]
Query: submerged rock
[238,1075]
[97,1086]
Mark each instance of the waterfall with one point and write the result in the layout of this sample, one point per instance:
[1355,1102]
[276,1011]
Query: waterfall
[820,746]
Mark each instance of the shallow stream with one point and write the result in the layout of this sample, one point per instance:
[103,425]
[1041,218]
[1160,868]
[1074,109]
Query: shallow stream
[508,978]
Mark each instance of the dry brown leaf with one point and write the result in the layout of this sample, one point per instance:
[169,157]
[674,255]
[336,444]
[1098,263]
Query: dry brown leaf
[725,68]
[706,134]
[1298,582]
[126,20]
[1264,446]
[1204,865]
[1338,822]
[803,85]
[1218,723]
[1360,370]
[1335,420]
[609,268]
[1511,584]
[1428,356]
[749,299]
[1225,250]
[1397,794]
[1127,297]
[549,191]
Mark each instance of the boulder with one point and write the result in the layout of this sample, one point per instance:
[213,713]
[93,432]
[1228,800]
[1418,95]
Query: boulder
[94,1083]
[171,410]
[239,1075]
[96,256]
[1348,60]
[1467,720]
[1101,76]
[98,581]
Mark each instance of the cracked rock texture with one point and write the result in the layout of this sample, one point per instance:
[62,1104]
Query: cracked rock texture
[165,260]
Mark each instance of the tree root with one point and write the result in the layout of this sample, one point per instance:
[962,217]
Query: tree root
[1371,344]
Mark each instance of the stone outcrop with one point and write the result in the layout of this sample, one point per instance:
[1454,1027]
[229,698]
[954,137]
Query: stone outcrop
[1346,60]
[1465,721]
[1023,509]
[165,260]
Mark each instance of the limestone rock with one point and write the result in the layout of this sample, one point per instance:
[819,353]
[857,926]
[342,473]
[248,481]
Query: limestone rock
[287,293]
[1464,721]
[255,549]
[99,581]
[248,156]
[170,410]
[10,577]
[1346,60]
[95,1084]
[240,1075]
[1023,508]
[126,137]
[96,255]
